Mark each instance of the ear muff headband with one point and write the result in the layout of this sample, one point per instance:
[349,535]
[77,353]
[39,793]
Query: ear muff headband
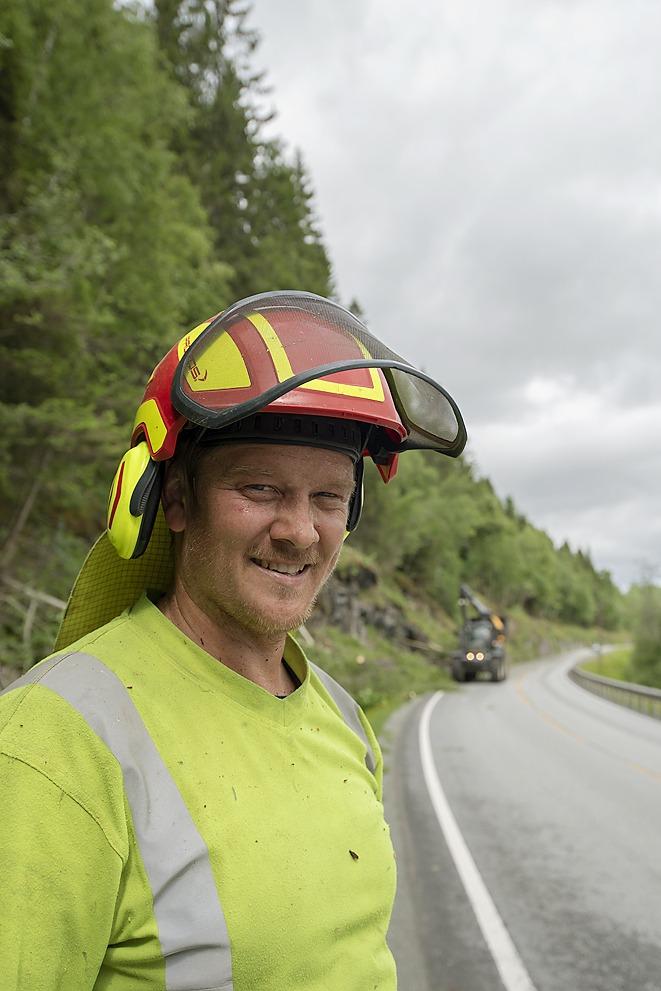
[133,502]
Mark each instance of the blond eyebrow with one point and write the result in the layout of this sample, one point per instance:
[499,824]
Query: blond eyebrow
[249,470]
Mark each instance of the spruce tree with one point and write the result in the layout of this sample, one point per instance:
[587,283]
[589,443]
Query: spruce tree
[105,254]
[258,201]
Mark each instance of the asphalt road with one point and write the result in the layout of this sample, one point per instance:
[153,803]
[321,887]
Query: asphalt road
[556,798]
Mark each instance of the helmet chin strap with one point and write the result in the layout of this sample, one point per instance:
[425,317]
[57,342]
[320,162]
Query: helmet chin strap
[356,504]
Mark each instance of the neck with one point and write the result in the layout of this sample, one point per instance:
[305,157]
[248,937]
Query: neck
[255,656]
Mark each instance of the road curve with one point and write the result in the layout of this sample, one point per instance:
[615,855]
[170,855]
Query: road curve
[556,795]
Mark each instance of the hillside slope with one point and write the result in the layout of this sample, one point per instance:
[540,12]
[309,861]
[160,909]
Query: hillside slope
[386,640]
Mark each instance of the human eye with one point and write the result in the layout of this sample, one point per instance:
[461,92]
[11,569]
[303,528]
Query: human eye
[259,490]
[333,498]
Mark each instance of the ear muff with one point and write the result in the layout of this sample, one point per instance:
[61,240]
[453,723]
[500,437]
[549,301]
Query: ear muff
[356,504]
[133,501]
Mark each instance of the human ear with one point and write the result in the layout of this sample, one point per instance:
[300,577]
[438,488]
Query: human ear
[173,498]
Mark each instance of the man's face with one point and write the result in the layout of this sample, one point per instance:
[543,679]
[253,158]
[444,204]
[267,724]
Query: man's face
[265,534]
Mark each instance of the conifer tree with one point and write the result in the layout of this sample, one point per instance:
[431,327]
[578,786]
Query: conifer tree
[258,202]
[104,254]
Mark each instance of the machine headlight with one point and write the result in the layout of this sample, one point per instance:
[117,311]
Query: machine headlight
[479,656]
[470,656]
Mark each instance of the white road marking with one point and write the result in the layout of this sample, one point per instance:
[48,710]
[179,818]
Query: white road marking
[512,971]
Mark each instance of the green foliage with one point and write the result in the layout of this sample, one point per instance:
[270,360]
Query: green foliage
[285,246]
[104,250]
[646,657]
[258,201]
[439,525]
[612,664]
[538,636]
[378,673]
[421,523]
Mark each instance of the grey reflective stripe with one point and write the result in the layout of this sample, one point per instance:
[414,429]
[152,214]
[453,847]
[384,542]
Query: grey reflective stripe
[349,710]
[191,925]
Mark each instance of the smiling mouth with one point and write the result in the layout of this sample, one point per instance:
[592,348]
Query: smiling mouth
[281,569]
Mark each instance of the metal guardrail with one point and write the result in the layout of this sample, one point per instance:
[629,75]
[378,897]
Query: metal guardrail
[639,697]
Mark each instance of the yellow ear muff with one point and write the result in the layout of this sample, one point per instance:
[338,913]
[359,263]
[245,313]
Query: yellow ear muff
[133,502]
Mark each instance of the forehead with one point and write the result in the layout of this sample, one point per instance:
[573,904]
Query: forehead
[285,461]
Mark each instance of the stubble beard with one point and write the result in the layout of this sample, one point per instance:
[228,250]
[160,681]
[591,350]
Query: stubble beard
[224,607]
[267,624]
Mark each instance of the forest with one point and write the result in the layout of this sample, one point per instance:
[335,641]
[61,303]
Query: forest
[139,194]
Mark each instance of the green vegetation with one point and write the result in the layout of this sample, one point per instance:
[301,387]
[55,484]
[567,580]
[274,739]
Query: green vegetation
[379,673]
[384,671]
[138,195]
[640,663]
[439,524]
[612,664]
[645,604]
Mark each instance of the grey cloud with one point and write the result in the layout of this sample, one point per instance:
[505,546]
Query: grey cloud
[489,183]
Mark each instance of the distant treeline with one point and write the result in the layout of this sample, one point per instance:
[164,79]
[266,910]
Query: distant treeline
[440,524]
[139,195]
[644,608]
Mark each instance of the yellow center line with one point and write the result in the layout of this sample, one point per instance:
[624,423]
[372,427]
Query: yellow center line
[648,772]
[639,768]
[518,686]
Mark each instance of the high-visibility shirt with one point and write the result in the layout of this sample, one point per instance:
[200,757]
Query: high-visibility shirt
[167,824]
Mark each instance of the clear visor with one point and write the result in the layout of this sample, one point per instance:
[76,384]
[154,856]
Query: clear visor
[321,359]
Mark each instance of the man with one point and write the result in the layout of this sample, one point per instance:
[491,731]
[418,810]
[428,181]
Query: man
[188,803]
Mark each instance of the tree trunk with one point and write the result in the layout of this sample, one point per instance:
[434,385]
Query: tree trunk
[11,544]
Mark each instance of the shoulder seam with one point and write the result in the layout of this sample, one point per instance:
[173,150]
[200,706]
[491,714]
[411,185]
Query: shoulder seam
[77,801]
[95,635]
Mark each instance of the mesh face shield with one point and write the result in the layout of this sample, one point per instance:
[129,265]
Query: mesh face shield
[295,352]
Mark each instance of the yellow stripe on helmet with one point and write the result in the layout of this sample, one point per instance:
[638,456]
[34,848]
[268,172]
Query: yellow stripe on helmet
[191,336]
[221,367]
[375,391]
[284,370]
[274,346]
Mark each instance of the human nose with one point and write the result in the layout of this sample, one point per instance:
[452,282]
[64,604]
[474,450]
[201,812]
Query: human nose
[295,524]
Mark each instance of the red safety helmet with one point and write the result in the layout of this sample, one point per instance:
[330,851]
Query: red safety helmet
[293,352]
[290,354]
[277,362]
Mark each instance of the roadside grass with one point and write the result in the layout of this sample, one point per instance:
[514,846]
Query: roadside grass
[530,636]
[382,673]
[379,673]
[613,664]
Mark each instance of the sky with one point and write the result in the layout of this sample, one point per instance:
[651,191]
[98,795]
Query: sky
[487,177]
